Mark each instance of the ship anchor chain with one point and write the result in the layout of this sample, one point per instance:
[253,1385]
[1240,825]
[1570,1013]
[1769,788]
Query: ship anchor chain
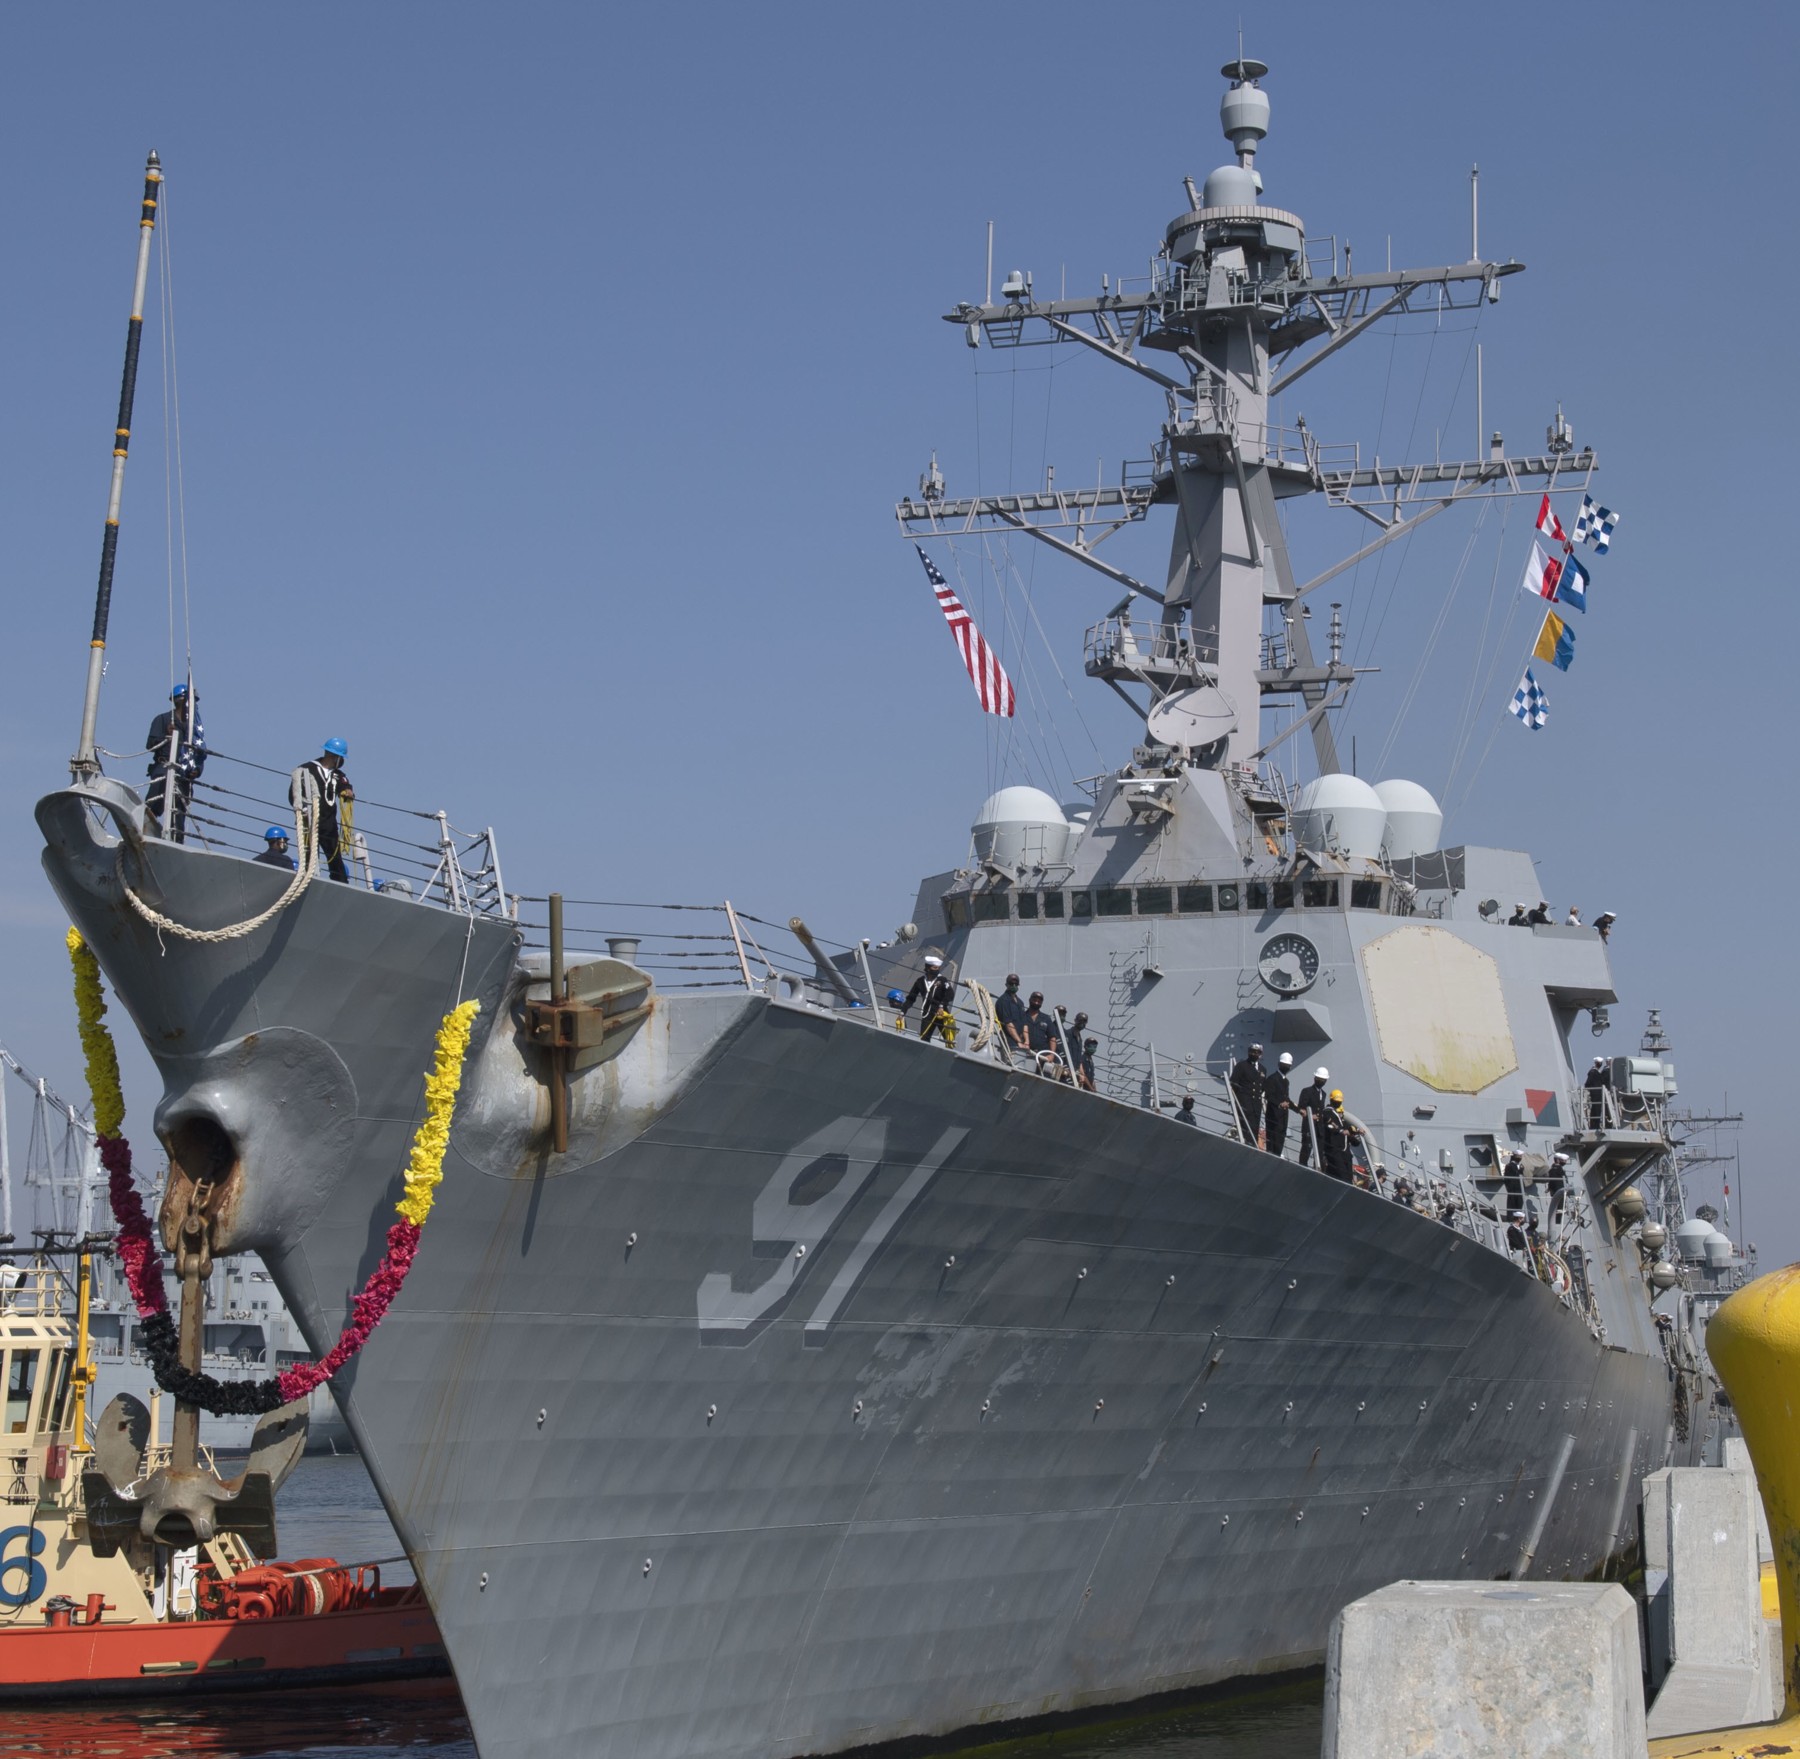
[184,1495]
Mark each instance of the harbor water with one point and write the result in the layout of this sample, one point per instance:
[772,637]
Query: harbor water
[329,1508]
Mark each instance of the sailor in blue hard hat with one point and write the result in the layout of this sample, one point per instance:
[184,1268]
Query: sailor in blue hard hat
[326,773]
[177,748]
[275,849]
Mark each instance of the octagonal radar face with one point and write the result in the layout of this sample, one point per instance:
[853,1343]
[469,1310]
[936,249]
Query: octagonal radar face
[1440,1010]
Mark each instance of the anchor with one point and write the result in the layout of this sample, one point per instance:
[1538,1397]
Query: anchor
[184,1502]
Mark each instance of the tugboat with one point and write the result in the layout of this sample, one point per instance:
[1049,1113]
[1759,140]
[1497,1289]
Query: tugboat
[90,1605]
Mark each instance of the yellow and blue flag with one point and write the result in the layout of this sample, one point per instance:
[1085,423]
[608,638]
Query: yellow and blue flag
[1555,642]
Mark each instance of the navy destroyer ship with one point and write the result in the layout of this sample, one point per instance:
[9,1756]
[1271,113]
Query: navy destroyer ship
[773,1382]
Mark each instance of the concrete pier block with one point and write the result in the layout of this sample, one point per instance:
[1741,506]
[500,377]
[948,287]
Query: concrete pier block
[1656,1520]
[1655,1529]
[1737,1457]
[1719,1669]
[1485,1670]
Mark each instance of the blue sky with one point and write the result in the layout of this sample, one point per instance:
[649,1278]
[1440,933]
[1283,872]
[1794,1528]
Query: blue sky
[548,375]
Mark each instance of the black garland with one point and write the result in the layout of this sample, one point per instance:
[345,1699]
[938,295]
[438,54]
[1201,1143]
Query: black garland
[223,1398]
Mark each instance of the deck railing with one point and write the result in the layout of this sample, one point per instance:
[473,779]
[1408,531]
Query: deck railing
[396,849]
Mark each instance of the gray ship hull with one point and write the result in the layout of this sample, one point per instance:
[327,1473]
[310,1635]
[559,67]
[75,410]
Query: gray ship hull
[1063,1405]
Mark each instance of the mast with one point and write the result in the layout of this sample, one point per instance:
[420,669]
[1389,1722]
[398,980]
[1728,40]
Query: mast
[85,762]
[1240,306]
[83,1374]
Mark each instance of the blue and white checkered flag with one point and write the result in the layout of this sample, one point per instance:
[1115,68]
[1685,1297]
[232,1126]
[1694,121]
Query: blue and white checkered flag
[1529,702]
[1595,524]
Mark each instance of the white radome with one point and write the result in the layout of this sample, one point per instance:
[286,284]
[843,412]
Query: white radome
[1414,819]
[1020,827]
[1340,815]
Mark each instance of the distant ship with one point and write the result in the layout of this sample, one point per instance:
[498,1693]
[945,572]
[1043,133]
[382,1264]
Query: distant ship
[771,1382]
[247,1333]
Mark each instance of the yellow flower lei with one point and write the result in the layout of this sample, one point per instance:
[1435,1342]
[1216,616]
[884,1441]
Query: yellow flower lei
[425,1165]
[96,1041]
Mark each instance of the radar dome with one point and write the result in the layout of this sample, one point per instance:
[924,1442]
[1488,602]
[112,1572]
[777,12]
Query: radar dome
[1690,1240]
[1342,815]
[1414,819]
[1719,1250]
[1020,827]
[1231,186]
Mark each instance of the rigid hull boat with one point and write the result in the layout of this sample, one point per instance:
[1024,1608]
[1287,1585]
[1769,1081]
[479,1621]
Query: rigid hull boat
[770,1381]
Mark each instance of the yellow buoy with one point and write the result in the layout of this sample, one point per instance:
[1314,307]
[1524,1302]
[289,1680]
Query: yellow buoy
[1754,1343]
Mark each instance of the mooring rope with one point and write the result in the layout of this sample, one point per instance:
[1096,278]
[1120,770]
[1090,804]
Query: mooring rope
[306,835]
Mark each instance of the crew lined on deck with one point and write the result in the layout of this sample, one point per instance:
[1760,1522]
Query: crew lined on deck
[1277,1104]
[275,849]
[936,991]
[1312,1101]
[177,746]
[327,771]
[1598,1082]
[1247,1094]
[1010,1012]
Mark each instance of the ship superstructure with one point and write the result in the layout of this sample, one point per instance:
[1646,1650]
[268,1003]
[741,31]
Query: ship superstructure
[770,1381]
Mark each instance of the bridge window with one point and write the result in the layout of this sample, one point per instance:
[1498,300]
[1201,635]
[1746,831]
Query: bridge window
[1194,900]
[956,912]
[1081,905]
[1028,906]
[1228,897]
[1284,894]
[1053,906]
[991,906]
[1365,894]
[1155,900]
[1256,895]
[21,1382]
[1319,894]
[1113,901]
[55,1406]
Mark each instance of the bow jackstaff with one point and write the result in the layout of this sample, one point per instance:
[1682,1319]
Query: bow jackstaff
[85,762]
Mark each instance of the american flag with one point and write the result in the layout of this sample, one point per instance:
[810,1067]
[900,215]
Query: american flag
[985,671]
